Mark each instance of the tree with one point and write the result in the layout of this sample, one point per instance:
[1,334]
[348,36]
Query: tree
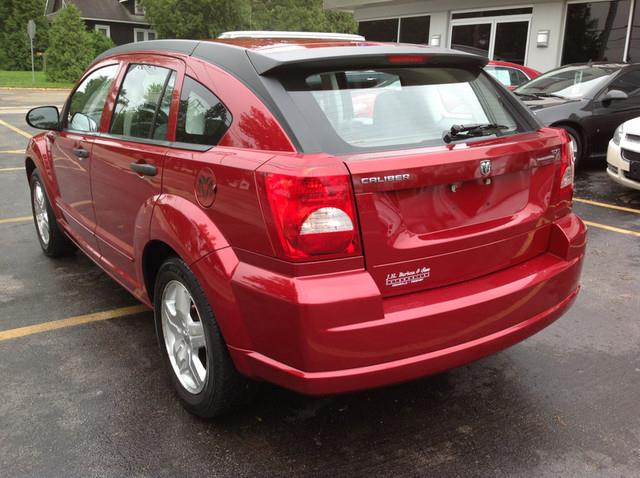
[70,46]
[99,42]
[197,19]
[15,50]
[299,15]
[201,19]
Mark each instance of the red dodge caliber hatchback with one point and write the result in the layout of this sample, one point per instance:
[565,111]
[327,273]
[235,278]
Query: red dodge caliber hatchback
[326,216]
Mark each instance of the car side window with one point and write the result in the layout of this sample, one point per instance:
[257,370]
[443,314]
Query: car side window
[517,77]
[142,107]
[202,118]
[87,102]
[627,82]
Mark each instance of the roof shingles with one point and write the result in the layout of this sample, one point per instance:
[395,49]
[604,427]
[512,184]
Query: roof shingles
[109,10]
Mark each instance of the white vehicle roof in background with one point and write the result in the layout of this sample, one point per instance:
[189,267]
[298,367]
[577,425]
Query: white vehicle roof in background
[280,34]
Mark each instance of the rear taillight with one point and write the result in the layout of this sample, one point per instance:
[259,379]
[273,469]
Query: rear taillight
[564,191]
[311,211]
[567,168]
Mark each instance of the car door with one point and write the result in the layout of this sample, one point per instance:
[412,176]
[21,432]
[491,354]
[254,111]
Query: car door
[608,115]
[128,158]
[71,149]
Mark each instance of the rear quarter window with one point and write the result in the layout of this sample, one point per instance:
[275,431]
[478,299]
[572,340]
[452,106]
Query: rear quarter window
[202,118]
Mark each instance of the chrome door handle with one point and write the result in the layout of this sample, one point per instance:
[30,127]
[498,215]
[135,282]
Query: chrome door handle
[81,153]
[144,169]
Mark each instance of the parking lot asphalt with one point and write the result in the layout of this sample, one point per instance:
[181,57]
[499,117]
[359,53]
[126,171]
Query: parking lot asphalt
[93,400]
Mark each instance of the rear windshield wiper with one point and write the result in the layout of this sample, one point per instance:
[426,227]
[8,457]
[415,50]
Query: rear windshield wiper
[537,95]
[471,130]
[549,95]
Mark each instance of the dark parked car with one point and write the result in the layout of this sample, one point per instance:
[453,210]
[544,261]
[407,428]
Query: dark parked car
[588,100]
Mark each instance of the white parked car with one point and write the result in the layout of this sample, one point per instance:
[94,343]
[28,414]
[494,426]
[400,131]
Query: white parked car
[623,154]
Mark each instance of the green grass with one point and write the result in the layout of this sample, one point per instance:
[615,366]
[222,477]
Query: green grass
[22,79]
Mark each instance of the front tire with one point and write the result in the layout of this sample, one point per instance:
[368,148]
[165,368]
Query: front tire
[192,346]
[53,241]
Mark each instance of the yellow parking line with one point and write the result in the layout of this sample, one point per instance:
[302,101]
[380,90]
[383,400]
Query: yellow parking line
[607,205]
[11,220]
[71,322]
[612,228]
[17,130]
[13,151]
[4,170]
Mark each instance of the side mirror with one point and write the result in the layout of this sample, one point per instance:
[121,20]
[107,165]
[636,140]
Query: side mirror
[44,117]
[614,95]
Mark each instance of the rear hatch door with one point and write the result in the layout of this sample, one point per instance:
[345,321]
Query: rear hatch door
[439,216]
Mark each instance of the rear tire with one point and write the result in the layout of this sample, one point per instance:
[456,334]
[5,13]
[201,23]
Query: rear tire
[53,241]
[192,346]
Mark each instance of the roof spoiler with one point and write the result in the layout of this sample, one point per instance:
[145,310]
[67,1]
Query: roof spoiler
[366,56]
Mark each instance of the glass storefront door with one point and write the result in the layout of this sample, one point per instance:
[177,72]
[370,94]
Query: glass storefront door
[498,38]
[510,42]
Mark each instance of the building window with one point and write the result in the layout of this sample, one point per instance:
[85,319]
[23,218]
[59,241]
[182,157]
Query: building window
[379,30]
[143,34]
[492,13]
[595,31]
[405,29]
[472,38]
[138,9]
[633,53]
[104,30]
[501,37]
[415,29]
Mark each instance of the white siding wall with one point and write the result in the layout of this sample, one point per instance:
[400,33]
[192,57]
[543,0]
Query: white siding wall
[547,15]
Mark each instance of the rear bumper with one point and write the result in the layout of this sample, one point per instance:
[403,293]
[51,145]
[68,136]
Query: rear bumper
[334,333]
[351,379]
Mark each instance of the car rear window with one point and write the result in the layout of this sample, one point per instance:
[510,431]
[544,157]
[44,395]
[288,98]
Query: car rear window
[389,108]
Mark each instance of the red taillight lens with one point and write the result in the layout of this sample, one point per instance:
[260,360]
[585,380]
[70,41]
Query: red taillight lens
[563,189]
[312,214]
[567,170]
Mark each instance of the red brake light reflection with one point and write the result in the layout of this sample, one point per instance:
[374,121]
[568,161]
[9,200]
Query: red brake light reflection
[403,59]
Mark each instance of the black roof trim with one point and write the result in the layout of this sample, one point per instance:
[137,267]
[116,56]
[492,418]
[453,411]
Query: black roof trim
[185,47]
[253,68]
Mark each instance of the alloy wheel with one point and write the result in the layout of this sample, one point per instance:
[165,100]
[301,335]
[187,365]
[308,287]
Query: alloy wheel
[184,337]
[41,214]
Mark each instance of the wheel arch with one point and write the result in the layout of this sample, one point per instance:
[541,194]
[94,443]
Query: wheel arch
[576,126]
[155,253]
[29,166]
[183,229]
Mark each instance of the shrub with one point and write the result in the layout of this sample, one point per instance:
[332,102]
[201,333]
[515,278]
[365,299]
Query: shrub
[99,42]
[71,47]
[15,51]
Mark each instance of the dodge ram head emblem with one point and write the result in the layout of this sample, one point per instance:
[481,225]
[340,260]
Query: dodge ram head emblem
[485,167]
[205,187]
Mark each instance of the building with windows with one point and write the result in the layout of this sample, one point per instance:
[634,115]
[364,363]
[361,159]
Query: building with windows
[121,20]
[541,34]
